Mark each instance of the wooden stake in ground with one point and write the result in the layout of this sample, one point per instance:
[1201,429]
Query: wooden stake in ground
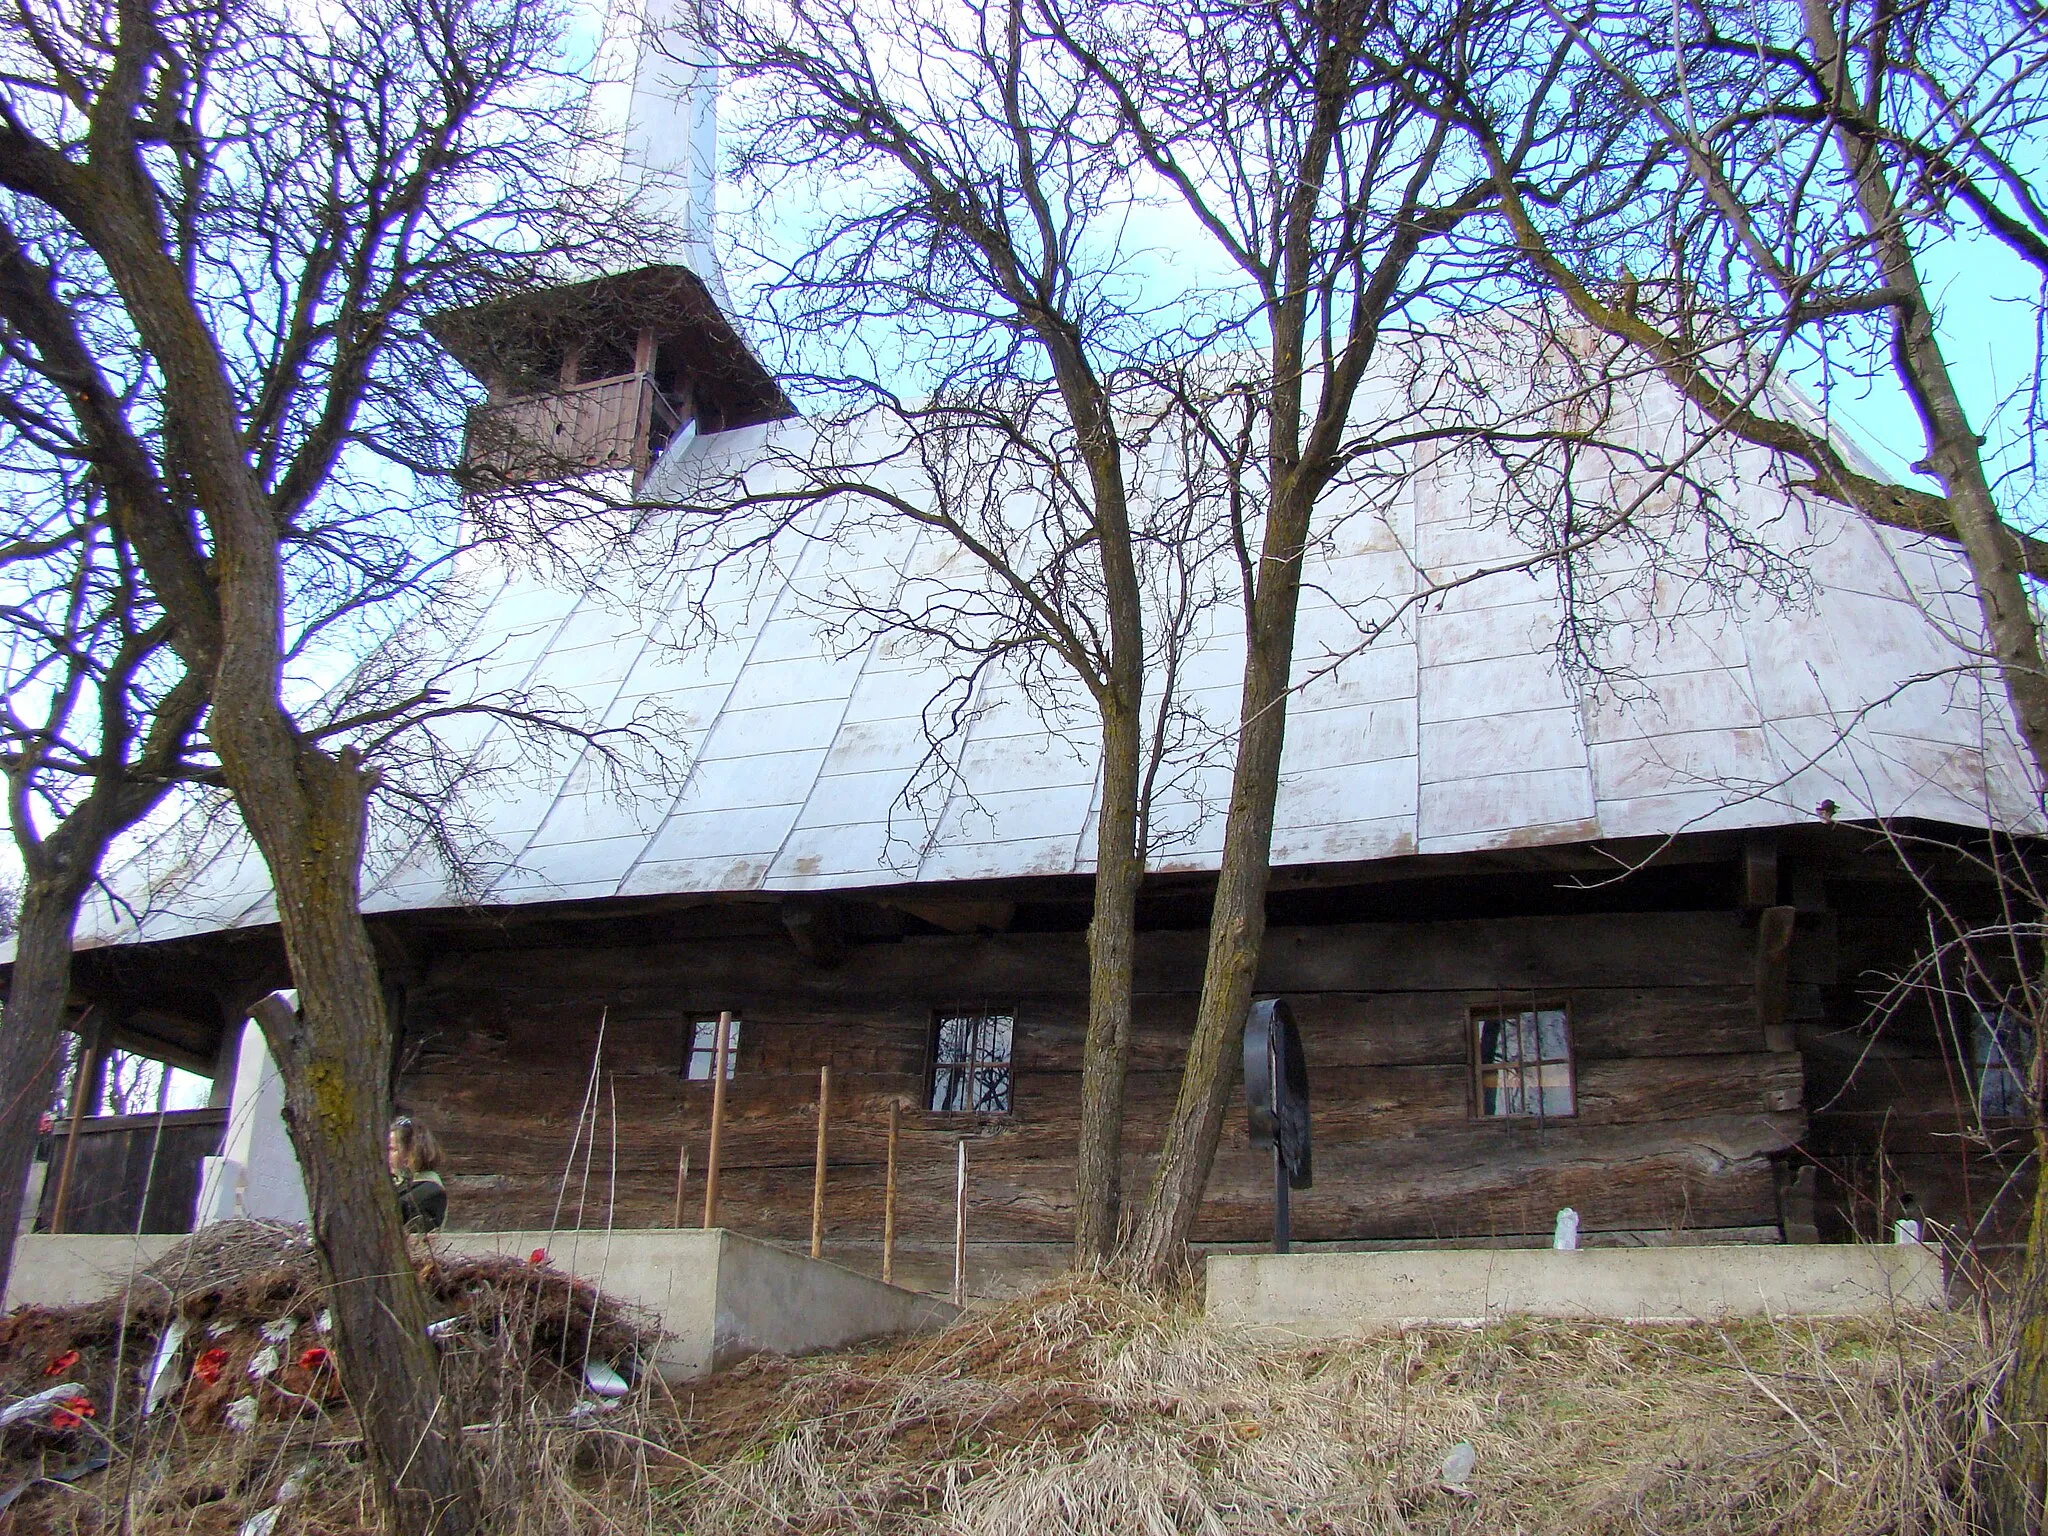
[818,1176]
[82,1087]
[718,1060]
[682,1178]
[889,1201]
[960,1227]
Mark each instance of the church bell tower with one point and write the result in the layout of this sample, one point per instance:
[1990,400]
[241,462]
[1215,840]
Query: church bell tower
[609,374]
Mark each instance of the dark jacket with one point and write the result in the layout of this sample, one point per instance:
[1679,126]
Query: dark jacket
[422,1201]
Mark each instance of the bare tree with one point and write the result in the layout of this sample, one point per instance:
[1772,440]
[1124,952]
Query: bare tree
[1774,189]
[1328,323]
[229,225]
[97,722]
[1001,416]
[1291,138]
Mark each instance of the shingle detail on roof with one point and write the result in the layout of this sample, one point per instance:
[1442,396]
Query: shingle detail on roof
[801,757]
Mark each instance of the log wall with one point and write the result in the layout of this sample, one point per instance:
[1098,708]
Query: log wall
[1892,1080]
[1681,1104]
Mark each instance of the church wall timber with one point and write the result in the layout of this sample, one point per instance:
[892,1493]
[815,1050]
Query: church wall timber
[1680,1104]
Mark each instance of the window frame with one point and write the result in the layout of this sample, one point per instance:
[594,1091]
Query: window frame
[1476,1017]
[972,1063]
[710,1048]
[1997,1024]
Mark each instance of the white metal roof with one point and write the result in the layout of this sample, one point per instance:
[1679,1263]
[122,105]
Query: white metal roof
[795,753]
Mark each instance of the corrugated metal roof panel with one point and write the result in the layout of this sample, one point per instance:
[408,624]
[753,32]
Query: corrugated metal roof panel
[795,755]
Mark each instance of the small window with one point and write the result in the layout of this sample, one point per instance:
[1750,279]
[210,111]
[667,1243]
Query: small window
[2004,1059]
[704,1050]
[971,1063]
[1522,1063]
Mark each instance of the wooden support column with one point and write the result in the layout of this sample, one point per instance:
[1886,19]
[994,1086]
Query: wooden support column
[92,1034]
[1759,873]
[643,405]
[1773,967]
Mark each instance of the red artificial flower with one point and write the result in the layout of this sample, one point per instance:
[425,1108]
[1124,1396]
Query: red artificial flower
[538,1256]
[72,1412]
[61,1363]
[207,1368]
[313,1359]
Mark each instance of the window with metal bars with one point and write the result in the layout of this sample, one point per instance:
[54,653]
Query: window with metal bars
[1522,1063]
[2004,1048]
[703,1051]
[971,1062]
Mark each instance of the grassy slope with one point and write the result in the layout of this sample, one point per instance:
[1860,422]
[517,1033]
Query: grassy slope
[1084,1409]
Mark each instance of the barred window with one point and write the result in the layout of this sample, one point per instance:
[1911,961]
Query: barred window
[971,1063]
[2005,1054]
[703,1051]
[1522,1063]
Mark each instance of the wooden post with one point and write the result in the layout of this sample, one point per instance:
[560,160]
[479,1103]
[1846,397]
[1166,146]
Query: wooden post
[682,1178]
[960,1226]
[1773,972]
[82,1088]
[818,1177]
[718,1057]
[889,1202]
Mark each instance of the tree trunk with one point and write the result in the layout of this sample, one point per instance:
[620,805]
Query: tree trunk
[1954,450]
[1112,954]
[1237,922]
[334,1056]
[30,1039]
[2016,1478]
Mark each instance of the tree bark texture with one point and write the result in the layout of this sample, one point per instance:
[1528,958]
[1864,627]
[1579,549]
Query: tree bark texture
[1119,835]
[1112,955]
[334,1056]
[305,809]
[31,1049]
[1237,921]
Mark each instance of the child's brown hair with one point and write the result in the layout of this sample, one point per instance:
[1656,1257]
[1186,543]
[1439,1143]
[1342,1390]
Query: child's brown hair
[418,1151]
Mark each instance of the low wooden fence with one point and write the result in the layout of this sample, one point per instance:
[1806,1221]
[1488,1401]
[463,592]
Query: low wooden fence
[130,1173]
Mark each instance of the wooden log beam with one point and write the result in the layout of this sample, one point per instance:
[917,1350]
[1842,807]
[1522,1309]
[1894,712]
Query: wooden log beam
[1773,975]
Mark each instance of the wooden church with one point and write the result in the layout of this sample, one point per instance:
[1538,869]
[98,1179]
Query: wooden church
[1551,943]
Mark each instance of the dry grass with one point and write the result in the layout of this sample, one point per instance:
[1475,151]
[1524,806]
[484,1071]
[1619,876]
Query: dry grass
[1085,1409]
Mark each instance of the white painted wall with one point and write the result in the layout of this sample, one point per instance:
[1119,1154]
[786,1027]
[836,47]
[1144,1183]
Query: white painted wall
[257,1174]
[654,109]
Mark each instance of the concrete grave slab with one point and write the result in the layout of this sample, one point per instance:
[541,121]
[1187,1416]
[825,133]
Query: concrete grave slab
[717,1296]
[1323,1295]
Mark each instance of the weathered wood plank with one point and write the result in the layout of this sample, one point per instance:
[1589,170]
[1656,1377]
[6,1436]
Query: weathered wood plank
[1680,1108]
[1543,953]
